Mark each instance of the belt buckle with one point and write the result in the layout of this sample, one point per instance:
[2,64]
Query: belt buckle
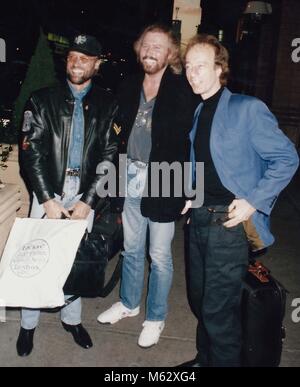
[138,164]
[73,172]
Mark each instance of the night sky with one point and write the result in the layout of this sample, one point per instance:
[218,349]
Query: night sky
[116,23]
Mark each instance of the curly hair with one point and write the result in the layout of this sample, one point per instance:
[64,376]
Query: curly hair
[175,62]
[221,57]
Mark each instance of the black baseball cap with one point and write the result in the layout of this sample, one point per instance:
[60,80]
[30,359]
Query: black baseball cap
[87,45]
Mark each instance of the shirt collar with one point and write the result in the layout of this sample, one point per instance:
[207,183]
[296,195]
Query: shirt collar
[79,94]
[214,99]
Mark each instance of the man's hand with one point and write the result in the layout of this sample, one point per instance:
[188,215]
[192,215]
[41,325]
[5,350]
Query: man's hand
[54,210]
[80,211]
[188,206]
[239,211]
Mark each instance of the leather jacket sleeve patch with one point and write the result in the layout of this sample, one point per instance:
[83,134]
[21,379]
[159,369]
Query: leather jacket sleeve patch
[117,129]
[25,144]
[28,118]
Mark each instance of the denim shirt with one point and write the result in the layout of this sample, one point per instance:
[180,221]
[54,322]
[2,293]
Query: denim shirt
[77,130]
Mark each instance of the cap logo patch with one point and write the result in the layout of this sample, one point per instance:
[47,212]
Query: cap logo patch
[81,39]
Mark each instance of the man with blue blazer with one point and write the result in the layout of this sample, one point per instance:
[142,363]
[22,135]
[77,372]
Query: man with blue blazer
[248,162]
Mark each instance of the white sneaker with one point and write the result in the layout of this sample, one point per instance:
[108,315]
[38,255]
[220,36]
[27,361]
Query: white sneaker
[151,333]
[116,313]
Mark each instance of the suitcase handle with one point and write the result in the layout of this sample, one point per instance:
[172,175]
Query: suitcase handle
[260,272]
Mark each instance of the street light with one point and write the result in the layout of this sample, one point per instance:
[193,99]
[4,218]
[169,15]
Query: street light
[256,9]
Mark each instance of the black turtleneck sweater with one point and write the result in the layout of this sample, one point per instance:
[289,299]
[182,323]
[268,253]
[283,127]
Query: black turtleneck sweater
[214,191]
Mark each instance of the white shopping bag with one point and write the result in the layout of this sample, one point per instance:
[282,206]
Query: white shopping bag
[37,261]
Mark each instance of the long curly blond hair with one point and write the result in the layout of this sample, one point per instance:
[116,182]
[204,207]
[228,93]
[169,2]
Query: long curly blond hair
[175,62]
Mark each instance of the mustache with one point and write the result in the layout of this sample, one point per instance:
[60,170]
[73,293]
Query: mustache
[77,68]
[149,57]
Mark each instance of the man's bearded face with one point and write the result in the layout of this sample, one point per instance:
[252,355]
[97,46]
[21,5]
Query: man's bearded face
[155,51]
[81,68]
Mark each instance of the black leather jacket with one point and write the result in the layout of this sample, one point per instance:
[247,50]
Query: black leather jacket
[46,139]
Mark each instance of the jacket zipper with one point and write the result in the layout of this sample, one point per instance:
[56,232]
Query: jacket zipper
[84,142]
[68,152]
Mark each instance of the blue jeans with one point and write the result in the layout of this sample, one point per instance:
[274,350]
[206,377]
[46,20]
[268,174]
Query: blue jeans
[71,314]
[161,236]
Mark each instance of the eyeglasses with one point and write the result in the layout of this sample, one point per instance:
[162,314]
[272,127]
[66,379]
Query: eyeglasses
[82,59]
[219,221]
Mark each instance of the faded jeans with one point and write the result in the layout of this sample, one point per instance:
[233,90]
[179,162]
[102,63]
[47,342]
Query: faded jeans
[135,232]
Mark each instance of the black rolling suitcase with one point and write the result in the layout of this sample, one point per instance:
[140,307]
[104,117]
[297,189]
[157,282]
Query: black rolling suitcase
[263,311]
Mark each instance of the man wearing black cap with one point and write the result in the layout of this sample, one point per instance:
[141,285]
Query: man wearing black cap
[67,132]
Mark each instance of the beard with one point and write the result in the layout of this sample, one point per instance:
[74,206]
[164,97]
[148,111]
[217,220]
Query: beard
[152,66]
[80,78]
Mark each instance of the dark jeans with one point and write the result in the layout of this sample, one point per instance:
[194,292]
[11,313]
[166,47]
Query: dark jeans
[217,266]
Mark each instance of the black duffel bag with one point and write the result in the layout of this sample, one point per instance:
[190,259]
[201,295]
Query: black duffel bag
[87,277]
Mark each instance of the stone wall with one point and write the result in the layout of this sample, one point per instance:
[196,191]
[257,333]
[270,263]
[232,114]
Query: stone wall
[287,80]
[286,91]
[10,203]
[11,175]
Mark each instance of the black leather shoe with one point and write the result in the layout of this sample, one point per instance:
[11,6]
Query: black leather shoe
[80,335]
[25,342]
[192,363]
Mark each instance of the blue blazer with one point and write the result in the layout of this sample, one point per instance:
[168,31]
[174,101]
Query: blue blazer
[253,158]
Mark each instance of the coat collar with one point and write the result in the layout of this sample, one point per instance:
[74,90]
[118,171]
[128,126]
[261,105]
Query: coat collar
[220,115]
[165,79]
[131,100]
